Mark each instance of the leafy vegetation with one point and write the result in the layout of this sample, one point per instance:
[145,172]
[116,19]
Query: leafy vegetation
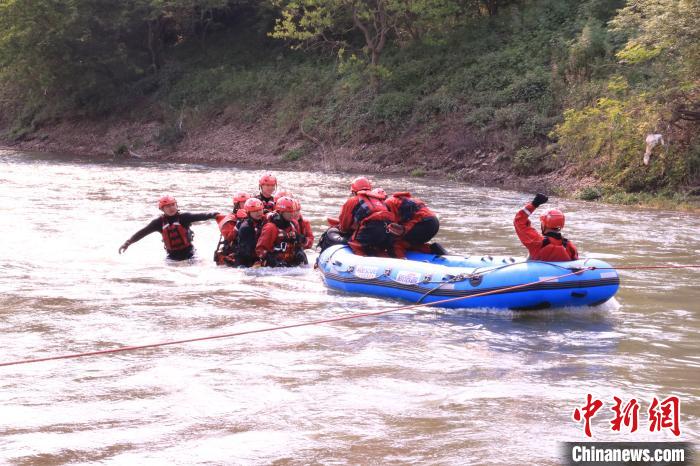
[550,82]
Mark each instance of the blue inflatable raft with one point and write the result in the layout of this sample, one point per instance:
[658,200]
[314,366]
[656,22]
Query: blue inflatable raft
[427,278]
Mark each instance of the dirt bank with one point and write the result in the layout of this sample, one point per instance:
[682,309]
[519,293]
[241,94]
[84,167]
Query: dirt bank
[447,150]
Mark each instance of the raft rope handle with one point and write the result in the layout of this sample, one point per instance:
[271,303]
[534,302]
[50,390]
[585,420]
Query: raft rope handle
[284,327]
[454,278]
[457,278]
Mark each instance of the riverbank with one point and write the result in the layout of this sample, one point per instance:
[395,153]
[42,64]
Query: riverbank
[447,151]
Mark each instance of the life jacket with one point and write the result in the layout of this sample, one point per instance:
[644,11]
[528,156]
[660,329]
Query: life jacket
[228,226]
[407,207]
[268,203]
[556,248]
[287,247]
[369,208]
[175,236]
[229,252]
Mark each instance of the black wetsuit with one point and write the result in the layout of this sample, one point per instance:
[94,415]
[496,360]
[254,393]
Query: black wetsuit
[186,219]
[248,234]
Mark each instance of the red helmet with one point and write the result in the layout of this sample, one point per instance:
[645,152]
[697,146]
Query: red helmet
[297,204]
[281,194]
[166,200]
[360,184]
[240,197]
[267,179]
[379,193]
[285,204]
[253,205]
[553,219]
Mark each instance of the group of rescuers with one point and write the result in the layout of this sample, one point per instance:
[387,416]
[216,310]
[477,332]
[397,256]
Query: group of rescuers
[268,230]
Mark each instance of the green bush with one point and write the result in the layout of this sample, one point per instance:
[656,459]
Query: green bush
[694,163]
[512,115]
[294,154]
[169,135]
[121,150]
[590,193]
[588,50]
[480,116]
[608,140]
[435,104]
[392,106]
[532,86]
[527,160]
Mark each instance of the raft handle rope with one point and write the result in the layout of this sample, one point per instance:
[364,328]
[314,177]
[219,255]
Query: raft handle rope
[453,279]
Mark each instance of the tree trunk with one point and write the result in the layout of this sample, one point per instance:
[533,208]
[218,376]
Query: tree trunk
[374,40]
[491,7]
[155,43]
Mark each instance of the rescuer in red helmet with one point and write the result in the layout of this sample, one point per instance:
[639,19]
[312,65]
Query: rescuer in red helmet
[249,231]
[415,224]
[281,243]
[174,226]
[550,245]
[267,185]
[228,226]
[366,217]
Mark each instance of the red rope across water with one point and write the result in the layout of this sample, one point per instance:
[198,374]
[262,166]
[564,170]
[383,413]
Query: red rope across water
[284,327]
[647,267]
[334,319]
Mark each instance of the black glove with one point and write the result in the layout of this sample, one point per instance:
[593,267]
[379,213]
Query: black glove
[539,199]
[124,246]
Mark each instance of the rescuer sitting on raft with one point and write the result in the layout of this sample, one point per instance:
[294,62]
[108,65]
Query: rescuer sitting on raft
[281,242]
[549,246]
[366,218]
[415,225]
[175,228]
[228,226]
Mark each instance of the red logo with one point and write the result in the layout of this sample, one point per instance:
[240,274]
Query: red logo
[589,410]
[629,415]
[664,414]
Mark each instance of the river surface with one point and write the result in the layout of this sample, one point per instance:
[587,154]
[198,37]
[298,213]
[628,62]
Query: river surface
[411,387]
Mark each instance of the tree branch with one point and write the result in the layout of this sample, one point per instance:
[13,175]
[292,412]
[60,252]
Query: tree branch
[363,28]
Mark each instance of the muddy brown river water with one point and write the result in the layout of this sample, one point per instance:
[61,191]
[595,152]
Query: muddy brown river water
[412,387]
